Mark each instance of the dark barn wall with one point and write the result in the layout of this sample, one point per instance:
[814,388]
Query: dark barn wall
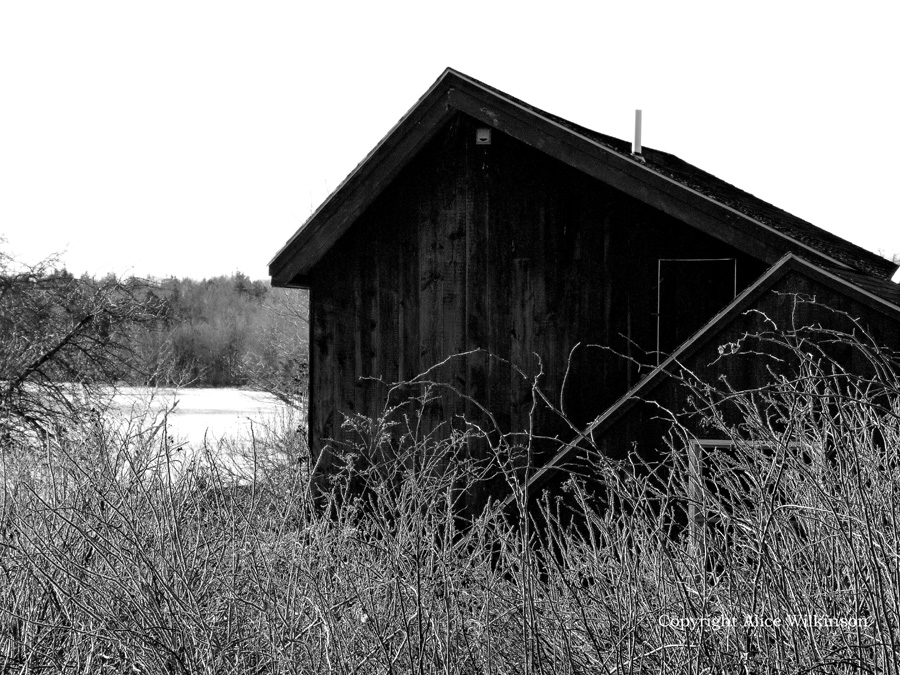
[498,248]
[641,428]
[796,301]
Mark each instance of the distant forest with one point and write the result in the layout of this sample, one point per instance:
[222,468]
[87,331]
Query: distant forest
[226,331]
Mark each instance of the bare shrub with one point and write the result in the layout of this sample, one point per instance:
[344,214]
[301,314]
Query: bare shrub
[143,569]
[59,335]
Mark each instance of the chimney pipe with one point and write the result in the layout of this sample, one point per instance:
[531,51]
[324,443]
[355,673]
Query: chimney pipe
[636,150]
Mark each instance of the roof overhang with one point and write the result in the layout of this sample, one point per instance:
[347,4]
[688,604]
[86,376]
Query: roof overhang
[455,92]
[350,199]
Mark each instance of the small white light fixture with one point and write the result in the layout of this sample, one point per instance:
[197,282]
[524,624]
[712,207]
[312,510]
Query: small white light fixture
[896,277]
[483,136]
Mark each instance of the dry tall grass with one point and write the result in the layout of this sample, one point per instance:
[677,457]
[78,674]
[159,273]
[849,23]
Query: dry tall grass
[787,562]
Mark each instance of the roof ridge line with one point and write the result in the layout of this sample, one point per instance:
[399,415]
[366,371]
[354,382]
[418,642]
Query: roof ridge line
[543,115]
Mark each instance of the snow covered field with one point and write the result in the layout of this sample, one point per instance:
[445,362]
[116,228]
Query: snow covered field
[195,414]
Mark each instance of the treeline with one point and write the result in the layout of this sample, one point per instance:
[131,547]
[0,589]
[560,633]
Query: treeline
[222,332]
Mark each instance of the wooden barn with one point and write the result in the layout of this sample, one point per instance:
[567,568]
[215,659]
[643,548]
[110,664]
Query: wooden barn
[483,226]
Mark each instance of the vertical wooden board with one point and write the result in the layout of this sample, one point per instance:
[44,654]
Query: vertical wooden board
[526,205]
[429,315]
[545,260]
[560,289]
[441,272]
[381,292]
[519,206]
[523,369]
[367,316]
[345,338]
[547,331]
[408,264]
[516,218]
[312,409]
[321,389]
[452,232]
[499,253]
[477,302]
[476,205]
[619,275]
[324,421]
[602,384]
[359,329]
[639,295]
[388,352]
[518,211]
[569,289]
[373,387]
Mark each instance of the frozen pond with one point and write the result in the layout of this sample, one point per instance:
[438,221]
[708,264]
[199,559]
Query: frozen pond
[194,415]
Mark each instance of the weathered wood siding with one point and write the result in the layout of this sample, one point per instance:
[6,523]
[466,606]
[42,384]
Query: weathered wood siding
[639,427]
[502,249]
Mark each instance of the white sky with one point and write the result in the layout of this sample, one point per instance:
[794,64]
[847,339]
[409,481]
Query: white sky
[193,138]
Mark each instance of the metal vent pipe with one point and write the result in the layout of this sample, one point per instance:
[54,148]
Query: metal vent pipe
[637,133]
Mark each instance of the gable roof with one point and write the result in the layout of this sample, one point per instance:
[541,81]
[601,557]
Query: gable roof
[656,178]
[662,372]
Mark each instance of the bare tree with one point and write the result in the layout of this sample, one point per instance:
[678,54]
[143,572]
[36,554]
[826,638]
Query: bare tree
[58,336]
[282,365]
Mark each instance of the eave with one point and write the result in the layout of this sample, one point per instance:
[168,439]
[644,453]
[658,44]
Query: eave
[455,92]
